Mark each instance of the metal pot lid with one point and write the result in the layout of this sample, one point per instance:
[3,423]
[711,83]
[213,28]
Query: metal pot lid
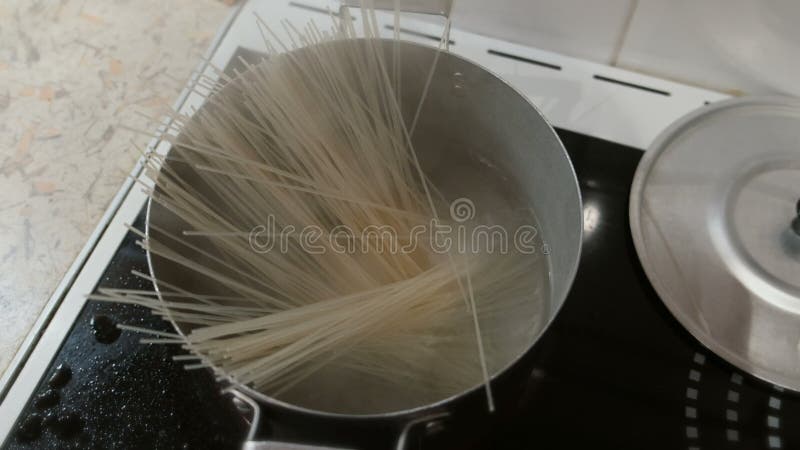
[714,217]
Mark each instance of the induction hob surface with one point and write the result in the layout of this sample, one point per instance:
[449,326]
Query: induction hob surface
[614,371]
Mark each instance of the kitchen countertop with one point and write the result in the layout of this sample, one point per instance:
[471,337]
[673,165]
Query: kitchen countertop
[72,72]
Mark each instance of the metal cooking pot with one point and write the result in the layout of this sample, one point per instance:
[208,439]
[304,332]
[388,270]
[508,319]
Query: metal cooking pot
[469,113]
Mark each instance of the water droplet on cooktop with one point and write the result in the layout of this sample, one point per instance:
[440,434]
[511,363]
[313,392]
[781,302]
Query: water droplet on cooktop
[60,377]
[30,428]
[104,329]
[66,424]
[47,399]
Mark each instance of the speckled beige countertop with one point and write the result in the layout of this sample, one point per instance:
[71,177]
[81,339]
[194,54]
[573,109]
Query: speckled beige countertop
[71,71]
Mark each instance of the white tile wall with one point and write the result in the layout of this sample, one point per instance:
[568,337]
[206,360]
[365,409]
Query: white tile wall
[748,46]
[583,28]
[751,46]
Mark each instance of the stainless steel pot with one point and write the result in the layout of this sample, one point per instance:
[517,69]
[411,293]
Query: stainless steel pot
[469,114]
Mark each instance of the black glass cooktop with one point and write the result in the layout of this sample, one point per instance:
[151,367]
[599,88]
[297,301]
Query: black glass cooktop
[614,371]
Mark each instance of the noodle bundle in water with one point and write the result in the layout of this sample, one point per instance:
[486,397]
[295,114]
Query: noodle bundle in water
[298,212]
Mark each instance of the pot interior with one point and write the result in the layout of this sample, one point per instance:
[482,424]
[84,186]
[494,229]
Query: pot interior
[477,139]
